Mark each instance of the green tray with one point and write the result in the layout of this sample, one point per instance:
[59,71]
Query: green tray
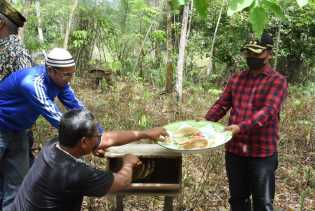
[211,131]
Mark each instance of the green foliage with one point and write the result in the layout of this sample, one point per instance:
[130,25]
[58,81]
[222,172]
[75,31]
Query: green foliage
[275,8]
[54,19]
[302,3]
[144,121]
[237,6]
[202,7]
[306,90]
[116,35]
[181,2]
[115,66]
[258,19]
[158,36]
[79,38]
[257,8]
[297,44]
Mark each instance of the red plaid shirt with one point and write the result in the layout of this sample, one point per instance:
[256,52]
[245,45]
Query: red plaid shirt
[256,102]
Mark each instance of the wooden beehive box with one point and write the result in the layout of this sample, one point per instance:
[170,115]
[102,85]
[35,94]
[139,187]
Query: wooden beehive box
[164,176]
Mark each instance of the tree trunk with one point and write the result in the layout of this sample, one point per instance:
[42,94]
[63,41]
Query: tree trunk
[157,55]
[140,61]
[277,46]
[190,18]
[39,26]
[210,65]
[181,54]
[125,12]
[169,51]
[66,40]
[187,55]
[84,53]
[141,53]
[26,11]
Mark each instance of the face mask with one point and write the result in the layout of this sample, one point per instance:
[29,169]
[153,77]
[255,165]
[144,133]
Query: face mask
[255,63]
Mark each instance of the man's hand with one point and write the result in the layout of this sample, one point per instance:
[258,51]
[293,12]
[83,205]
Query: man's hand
[235,129]
[123,177]
[99,153]
[155,133]
[131,160]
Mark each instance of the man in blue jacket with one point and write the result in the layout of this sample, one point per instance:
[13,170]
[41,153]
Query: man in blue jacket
[25,95]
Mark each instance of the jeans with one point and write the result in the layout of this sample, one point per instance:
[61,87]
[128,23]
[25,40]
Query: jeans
[253,177]
[14,164]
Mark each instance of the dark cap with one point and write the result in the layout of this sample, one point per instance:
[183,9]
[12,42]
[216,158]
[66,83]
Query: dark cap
[258,46]
[8,11]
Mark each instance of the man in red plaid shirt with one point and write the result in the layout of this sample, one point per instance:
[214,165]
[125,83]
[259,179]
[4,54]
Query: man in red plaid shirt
[254,97]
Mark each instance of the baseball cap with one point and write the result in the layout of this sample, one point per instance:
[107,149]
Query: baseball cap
[258,46]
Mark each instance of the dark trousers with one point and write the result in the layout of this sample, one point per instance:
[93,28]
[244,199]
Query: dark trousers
[14,164]
[30,136]
[253,177]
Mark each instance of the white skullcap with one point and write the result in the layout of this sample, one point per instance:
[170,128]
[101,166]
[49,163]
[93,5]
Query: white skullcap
[59,57]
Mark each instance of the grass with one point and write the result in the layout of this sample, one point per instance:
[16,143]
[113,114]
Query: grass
[132,104]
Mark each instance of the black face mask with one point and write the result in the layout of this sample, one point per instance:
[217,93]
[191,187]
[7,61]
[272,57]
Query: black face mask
[255,63]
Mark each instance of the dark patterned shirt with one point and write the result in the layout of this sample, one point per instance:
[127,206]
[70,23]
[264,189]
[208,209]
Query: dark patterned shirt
[256,102]
[13,56]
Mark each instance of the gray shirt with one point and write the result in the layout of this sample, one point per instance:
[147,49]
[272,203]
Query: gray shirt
[58,181]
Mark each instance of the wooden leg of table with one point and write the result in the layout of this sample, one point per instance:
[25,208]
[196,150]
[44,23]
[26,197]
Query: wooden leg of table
[168,203]
[119,203]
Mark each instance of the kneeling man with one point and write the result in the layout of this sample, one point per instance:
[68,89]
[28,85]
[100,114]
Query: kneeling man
[59,179]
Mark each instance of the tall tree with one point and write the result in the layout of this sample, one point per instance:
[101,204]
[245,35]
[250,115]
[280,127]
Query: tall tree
[26,12]
[141,53]
[66,40]
[169,50]
[39,21]
[181,54]
[277,46]
[125,9]
[210,65]
[190,18]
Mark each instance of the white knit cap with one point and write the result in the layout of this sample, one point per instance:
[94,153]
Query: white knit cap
[59,57]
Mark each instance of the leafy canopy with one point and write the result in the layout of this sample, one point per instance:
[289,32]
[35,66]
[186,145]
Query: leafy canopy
[259,10]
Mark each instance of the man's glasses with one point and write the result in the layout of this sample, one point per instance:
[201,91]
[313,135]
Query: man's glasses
[65,75]
[68,75]
[98,136]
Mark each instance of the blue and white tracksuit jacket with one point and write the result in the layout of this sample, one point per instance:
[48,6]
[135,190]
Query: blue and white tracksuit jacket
[26,94]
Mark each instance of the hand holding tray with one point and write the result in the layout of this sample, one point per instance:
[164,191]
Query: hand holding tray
[194,136]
